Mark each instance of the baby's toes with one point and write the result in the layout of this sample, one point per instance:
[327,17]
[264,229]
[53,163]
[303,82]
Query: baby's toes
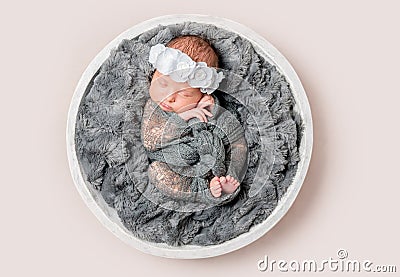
[222,180]
[215,181]
[215,184]
[216,191]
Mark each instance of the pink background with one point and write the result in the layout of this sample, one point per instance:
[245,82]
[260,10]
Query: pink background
[346,54]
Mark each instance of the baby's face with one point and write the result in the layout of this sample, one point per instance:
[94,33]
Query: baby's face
[172,96]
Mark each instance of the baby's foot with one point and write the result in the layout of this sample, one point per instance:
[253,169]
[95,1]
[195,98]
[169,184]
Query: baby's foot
[215,187]
[228,184]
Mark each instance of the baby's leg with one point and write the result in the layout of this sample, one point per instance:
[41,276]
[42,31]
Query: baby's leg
[165,179]
[229,184]
[215,187]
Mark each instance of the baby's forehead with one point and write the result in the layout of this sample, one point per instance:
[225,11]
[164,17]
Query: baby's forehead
[179,87]
[162,77]
[170,81]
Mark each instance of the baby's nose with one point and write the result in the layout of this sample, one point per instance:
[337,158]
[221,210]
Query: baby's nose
[171,98]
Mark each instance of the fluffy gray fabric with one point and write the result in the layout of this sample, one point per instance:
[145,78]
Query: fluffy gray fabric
[114,161]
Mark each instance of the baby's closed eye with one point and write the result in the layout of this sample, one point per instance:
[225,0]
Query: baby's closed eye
[186,93]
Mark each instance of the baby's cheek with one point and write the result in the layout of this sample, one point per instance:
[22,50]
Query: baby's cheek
[155,93]
[185,105]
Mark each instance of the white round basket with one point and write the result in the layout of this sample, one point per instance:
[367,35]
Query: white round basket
[108,215]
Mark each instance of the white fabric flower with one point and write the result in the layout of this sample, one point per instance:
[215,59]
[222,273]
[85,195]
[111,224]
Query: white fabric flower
[216,79]
[155,52]
[205,78]
[184,68]
[167,60]
[201,76]
[181,68]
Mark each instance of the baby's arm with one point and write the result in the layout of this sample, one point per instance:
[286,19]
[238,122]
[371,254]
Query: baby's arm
[151,127]
[200,110]
[168,181]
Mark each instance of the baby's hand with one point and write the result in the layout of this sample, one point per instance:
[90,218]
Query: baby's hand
[206,101]
[200,113]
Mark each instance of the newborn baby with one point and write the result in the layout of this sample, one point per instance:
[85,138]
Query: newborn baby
[180,93]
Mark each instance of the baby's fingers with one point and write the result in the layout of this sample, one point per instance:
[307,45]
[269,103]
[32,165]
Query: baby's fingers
[206,103]
[207,112]
[200,115]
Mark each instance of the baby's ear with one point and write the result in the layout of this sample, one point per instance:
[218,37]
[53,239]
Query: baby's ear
[156,74]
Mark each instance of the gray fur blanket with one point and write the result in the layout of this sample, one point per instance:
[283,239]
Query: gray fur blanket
[114,161]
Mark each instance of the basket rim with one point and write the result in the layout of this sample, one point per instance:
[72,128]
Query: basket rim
[108,216]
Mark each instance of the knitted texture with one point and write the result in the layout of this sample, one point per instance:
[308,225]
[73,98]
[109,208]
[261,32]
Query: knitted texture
[186,155]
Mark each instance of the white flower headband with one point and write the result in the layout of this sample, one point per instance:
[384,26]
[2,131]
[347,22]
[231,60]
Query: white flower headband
[181,68]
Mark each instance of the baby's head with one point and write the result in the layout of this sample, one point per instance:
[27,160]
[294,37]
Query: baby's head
[196,48]
[183,87]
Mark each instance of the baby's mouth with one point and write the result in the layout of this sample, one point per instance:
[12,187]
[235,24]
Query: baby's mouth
[165,106]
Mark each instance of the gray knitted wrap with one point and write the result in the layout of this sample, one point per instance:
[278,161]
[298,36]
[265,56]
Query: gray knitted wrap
[189,154]
[114,161]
